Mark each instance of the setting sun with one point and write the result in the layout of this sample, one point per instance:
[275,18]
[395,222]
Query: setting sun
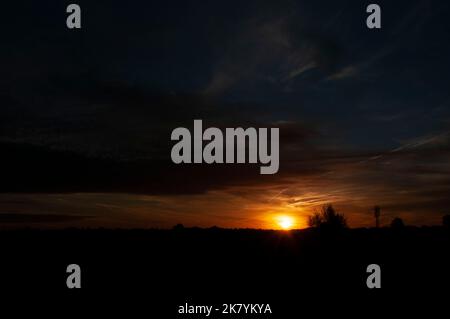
[285,222]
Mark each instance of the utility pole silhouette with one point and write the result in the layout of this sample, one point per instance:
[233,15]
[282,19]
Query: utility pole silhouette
[377,213]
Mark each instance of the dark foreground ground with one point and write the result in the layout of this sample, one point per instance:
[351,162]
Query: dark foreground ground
[149,273]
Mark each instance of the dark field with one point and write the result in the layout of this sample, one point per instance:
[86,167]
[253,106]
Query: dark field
[295,272]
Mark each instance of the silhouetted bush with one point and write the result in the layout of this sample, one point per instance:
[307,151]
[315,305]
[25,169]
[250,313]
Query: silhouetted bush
[397,223]
[178,227]
[328,218]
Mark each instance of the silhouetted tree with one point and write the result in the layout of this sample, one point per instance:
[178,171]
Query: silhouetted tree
[178,227]
[315,220]
[446,221]
[397,223]
[328,218]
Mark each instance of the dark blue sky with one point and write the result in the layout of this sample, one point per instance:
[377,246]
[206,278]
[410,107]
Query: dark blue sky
[371,106]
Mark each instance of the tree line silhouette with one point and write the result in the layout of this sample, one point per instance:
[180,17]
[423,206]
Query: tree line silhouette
[329,219]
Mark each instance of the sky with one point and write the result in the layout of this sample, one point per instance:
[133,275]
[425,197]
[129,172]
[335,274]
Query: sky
[86,115]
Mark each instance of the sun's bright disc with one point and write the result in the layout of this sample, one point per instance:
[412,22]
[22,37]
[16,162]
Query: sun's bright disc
[285,222]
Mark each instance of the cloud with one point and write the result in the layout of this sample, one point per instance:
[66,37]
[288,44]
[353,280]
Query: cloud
[425,141]
[346,72]
[21,218]
[274,49]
